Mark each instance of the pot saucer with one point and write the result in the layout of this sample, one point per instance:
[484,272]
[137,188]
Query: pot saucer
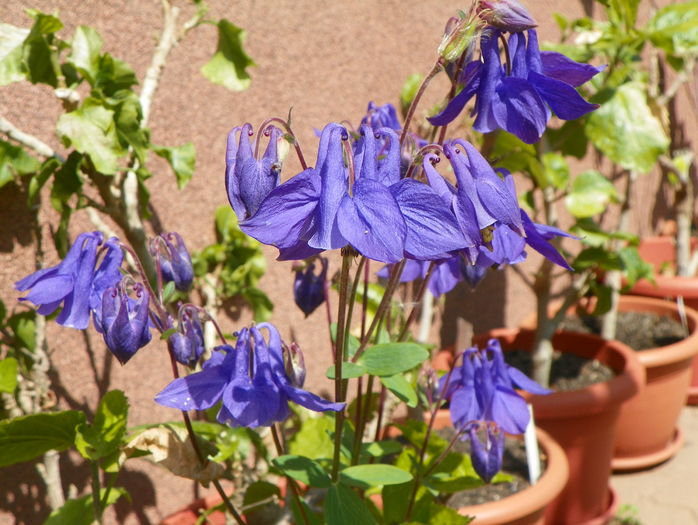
[623,464]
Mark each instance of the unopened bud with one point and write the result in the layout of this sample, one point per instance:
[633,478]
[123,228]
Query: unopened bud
[294,363]
[507,15]
[458,35]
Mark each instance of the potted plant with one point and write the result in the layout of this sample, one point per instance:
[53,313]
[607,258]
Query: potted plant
[362,201]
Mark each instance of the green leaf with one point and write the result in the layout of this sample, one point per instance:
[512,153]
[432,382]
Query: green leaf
[182,160]
[114,75]
[389,359]
[378,449]
[26,437]
[402,388]
[90,129]
[3,311]
[436,514]
[11,40]
[228,67]
[674,28]
[104,436]
[85,54]
[349,371]
[634,266]
[14,161]
[626,131]
[352,344]
[303,469]
[556,170]
[590,194]
[603,296]
[8,375]
[374,475]
[344,507]
[80,511]
[313,439]
[24,327]
[38,55]
[128,118]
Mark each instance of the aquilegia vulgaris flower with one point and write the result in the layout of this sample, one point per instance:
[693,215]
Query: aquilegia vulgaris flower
[481,395]
[250,380]
[78,282]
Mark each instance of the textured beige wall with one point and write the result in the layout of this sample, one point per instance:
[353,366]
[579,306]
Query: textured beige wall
[324,59]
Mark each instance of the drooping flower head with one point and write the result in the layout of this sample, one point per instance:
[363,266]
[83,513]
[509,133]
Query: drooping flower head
[77,282]
[309,286]
[175,262]
[507,15]
[368,207]
[249,180]
[188,341]
[250,380]
[123,320]
[518,98]
[486,456]
[482,389]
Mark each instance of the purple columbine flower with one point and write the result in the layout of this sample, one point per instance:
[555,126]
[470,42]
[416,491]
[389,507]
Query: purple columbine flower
[378,117]
[380,215]
[482,389]
[519,100]
[175,262]
[507,15]
[309,287]
[247,179]
[250,380]
[188,342]
[123,321]
[76,282]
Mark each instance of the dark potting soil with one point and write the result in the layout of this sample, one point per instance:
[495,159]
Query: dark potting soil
[638,330]
[568,372]
[514,464]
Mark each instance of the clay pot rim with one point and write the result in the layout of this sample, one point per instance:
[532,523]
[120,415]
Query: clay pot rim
[663,355]
[594,398]
[531,499]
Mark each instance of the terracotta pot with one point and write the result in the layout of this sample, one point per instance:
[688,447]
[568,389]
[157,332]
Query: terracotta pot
[523,508]
[191,513]
[660,251]
[647,432]
[528,506]
[583,422]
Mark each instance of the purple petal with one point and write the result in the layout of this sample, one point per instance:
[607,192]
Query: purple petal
[287,212]
[310,400]
[454,108]
[560,67]
[522,111]
[432,228]
[464,407]
[524,382]
[536,241]
[509,410]
[564,100]
[371,222]
[491,75]
[198,391]
[50,289]
[445,276]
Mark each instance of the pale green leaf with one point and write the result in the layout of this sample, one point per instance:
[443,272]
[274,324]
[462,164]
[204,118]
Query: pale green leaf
[103,437]
[674,28]
[392,358]
[27,437]
[15,161]
[626,131]
[90,129]
[228,67]
[11,39]
[344,507]
[590,194]
[80,511]
[374,475]
[182,160]
[8,375]
[402,388]
[304,470]
[85,51]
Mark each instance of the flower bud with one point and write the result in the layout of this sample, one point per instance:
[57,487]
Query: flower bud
[487,457]
[458,35]
[294,363]
[507,15]
[309,288]
[124,321]
[175,262]
[188,342]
